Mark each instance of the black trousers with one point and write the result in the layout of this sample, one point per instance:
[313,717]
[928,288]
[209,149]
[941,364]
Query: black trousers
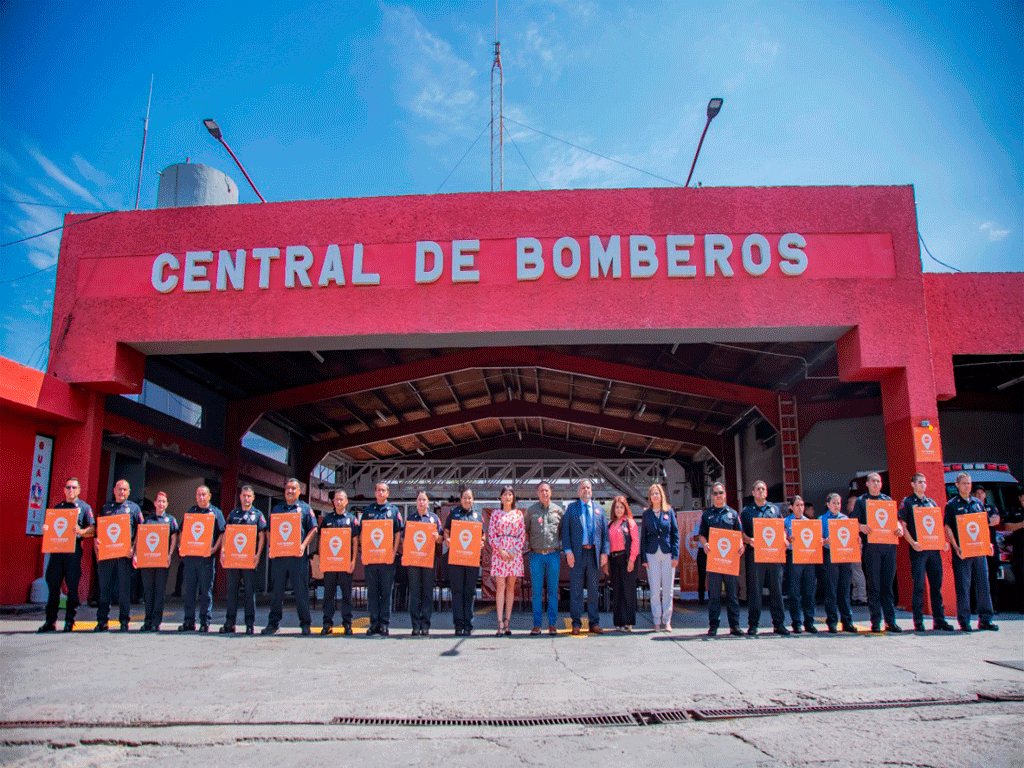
[333,580]
[462,580]
[757,573]
[248,578]
[421,596]
[702,573]
[927,564]
[380,579]
[199,574]
[838,577]
[801,593]
[297,568]
[732,604]
[967,573]
[154,589]
[119,568]
[63,567]
[879,572]
[623,584]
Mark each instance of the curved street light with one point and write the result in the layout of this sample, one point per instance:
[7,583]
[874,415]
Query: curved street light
[714,107]
[214,129]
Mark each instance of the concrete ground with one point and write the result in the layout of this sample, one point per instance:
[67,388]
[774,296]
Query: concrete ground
[187,699]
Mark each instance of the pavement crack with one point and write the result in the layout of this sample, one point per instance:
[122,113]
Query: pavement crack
[566,667]
[750,743]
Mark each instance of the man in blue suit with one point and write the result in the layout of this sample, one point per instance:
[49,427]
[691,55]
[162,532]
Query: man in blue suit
[585,543]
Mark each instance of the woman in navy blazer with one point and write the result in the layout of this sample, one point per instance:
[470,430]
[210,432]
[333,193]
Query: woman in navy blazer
[659,549]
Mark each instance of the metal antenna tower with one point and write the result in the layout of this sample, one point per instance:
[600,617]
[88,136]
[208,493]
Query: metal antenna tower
[497,142]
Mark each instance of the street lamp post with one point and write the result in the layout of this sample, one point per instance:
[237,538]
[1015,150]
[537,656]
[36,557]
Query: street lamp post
[714,107]
[214,129]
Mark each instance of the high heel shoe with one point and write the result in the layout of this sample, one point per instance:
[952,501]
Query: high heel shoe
[501,629]
[508,632]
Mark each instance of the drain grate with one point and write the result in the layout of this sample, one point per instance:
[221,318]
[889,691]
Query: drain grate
[729,714]
[491,722]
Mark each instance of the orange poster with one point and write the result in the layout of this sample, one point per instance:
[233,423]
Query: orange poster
[725,551]
[59,530]
[974,536]
[378,541]
[418,545]
[286,534]
[336,549]
[881,520]
[807,541]
[769,540]
[113,537]
[844,541]
[196,535]
[927,445]
[239,548]
[153,549]
[928,523]
[464,548]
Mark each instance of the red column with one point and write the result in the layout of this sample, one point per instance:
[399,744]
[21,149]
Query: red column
[233,432]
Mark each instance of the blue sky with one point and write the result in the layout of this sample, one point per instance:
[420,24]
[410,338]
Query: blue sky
[328,99]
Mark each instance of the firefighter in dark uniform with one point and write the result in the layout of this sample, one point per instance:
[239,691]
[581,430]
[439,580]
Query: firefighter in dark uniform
[67,566]
[246,514]
[340,517]
[154,580]
[118,567]
[923,562]
[968,571]
[757,572]
[879,561]
[463,578]
[720,515]
[380,577]
[296,568]
[421,580]
[994,563]
[199,571]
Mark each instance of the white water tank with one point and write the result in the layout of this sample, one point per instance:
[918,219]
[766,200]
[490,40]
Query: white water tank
[185,184]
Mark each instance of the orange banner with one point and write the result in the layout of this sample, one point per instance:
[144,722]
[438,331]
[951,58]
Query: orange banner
[974,536]
[724,556]
[336,549]
[286,534]
[59,530]
[113,537]
[807,542]
[927,444]
[377,540]
[464,547]
[153,550]
[239,548]
[928,524]
[769,540]
[881,520]
[418,545]
[196,534]
[844,541]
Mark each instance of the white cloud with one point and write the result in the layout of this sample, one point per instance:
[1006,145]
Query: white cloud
[90,172]
[994,233]
[61,178]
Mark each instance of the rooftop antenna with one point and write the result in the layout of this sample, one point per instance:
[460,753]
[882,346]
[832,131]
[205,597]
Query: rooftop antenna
[497,142]
[145,130]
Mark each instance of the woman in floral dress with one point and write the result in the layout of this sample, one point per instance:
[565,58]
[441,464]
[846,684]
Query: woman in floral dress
[507,533]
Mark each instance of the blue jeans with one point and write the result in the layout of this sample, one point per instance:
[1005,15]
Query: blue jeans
[545,567]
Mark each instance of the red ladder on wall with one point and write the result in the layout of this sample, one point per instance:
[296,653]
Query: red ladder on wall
[789,436]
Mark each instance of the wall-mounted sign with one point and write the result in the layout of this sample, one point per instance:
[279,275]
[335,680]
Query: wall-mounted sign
[39,485]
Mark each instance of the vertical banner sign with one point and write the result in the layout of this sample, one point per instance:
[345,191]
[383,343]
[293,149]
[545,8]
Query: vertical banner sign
[113,537]
[807,541]
[927,446]
[844,541]
[688,581]
[239,547]
[378,542]
[930,533]
[974,536]
[59,530]
[153,540]
[39,485]
[418,545]
[881,521]
[769,540]
[725,551]
[336,549]
[286,534]
[466,538]
[196,535]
